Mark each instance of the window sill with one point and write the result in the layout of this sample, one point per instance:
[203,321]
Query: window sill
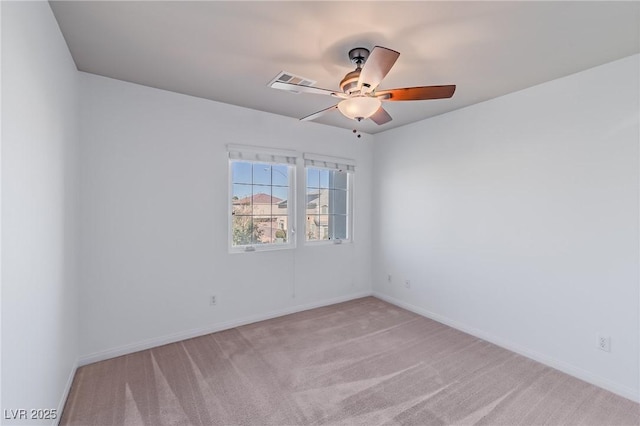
[326,242]
[260,248]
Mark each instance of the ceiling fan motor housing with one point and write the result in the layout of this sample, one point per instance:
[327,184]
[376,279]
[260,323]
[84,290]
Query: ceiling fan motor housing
[350,81]
[358,56]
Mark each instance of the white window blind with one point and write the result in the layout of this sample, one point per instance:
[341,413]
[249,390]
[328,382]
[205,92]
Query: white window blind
[262,155]
[331,163]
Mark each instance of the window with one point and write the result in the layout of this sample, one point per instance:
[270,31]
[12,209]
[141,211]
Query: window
[262,190]
[328,199]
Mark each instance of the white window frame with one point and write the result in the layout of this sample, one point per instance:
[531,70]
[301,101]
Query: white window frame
[348,166]
[249,154]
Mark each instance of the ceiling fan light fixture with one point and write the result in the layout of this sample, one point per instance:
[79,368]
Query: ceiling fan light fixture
[359,107]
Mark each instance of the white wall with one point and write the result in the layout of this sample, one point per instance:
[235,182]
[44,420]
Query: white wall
[39,210]
[154,209]
[517,220]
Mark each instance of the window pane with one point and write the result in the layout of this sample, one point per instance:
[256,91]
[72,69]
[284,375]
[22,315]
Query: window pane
[313,201]
[338,180]
[323,201]
[313,178]
[261,200]
[281,229]
[280,175]
[243,231]
[261,174]
[280,202]
[338,201]
[339,226]
[324,178]
[241,199]
[241,172]
[324,226]
[313,227]
[263,229]
[280,209]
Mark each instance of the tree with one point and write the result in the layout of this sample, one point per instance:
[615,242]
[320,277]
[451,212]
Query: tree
[245,231]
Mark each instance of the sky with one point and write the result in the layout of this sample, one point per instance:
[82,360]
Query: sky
[264,177]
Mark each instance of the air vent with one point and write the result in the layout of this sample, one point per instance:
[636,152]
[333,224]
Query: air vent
[287,77]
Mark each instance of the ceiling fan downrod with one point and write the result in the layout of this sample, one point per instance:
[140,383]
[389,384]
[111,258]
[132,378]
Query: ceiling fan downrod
[359,56]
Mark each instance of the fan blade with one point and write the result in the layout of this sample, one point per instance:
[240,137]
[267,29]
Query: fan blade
[381,116]
[319,113]
[376,68]
[417,93]
[306,89]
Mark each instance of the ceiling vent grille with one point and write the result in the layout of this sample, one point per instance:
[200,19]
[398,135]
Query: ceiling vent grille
[287,77]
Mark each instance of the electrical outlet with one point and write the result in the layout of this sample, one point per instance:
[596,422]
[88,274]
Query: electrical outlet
[407,284]
[604,343]
[213,300]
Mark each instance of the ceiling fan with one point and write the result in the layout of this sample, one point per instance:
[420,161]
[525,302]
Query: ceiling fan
[360,97]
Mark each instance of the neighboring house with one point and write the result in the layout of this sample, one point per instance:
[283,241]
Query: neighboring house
[267,212]
[263,205]
[270,214]
[317,219]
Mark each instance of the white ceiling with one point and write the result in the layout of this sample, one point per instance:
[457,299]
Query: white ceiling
[230,51]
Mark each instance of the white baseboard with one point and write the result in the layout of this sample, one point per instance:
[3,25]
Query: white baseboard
[176,337]
[572,370]
[65,393]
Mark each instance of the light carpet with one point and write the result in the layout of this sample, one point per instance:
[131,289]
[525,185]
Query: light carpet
[363,362]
